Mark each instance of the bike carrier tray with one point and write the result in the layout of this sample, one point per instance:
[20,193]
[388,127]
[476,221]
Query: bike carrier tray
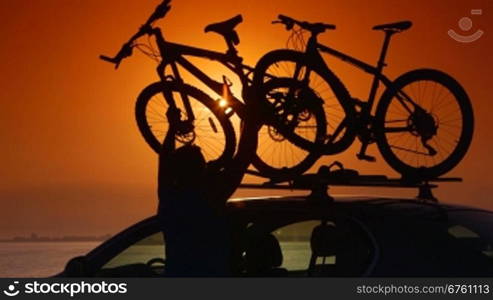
[318,183]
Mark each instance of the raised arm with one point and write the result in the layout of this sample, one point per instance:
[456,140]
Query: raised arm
[225,182]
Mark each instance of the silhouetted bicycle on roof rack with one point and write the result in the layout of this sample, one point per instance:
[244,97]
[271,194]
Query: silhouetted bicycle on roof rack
[206,122]
[423,124]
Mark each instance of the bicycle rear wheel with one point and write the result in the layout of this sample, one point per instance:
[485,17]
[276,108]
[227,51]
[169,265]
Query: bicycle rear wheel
[428,135]
[212,130]
[297,119]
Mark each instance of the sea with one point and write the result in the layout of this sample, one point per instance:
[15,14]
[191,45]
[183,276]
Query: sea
[39,259]
[46,259]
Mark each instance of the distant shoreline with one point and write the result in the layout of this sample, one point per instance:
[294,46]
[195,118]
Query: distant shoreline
[36,239]
[48,241]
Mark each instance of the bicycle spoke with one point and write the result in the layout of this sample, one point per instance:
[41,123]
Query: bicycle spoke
[396,129]
[409,150]
[396,121]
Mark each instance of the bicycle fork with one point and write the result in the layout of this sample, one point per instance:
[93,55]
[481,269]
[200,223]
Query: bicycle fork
[185,126]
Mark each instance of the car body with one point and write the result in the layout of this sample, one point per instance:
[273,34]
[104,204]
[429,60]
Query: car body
[301,236]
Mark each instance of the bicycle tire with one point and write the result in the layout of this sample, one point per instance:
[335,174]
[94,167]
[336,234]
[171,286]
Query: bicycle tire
[222,155]
[390,152]
[340,93]
[309,114]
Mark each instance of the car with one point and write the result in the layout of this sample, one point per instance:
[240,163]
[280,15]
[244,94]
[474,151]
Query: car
[305,236]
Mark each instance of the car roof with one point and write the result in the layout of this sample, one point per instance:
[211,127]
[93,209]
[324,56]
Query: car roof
[344,200]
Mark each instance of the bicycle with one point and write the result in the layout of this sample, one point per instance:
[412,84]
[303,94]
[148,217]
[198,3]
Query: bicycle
[423,123]
[205,121]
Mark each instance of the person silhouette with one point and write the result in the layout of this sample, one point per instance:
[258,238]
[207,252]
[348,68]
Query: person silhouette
[192,197]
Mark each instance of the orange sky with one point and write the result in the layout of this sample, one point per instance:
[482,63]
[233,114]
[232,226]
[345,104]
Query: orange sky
[73,161]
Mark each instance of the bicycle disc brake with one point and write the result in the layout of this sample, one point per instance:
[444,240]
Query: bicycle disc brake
[284,109]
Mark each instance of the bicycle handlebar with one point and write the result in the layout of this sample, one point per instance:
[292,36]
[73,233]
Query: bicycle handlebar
[312,27]
[126,50]
[161,11]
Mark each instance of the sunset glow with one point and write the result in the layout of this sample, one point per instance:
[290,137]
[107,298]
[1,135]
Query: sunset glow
[73,160]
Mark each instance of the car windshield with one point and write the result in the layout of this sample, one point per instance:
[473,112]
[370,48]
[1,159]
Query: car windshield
[144,258]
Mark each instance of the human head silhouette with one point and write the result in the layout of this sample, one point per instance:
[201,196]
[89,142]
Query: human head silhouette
[188,164]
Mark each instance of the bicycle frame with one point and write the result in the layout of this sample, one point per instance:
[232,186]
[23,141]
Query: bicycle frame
[173,53]
[364,127]
[313,48]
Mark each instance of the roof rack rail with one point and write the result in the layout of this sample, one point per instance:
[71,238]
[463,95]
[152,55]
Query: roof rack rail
[319,183]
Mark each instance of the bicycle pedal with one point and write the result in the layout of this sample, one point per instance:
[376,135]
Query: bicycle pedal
[366,157]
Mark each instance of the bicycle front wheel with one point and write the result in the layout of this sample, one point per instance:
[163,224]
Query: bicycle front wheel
[212,130]
[297,119]
[424,124]
[339,110]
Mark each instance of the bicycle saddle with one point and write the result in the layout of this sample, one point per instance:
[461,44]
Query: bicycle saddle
[397,27]
[227,29]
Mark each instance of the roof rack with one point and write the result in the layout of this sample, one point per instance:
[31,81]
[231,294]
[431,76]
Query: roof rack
[319,183]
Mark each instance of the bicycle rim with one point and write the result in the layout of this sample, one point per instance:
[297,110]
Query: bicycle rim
[298,121]
[447,107]
[338,111]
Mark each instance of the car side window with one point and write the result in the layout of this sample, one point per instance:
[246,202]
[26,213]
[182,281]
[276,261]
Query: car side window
[324,248]
[144,258]
[476,236]
[294,240]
